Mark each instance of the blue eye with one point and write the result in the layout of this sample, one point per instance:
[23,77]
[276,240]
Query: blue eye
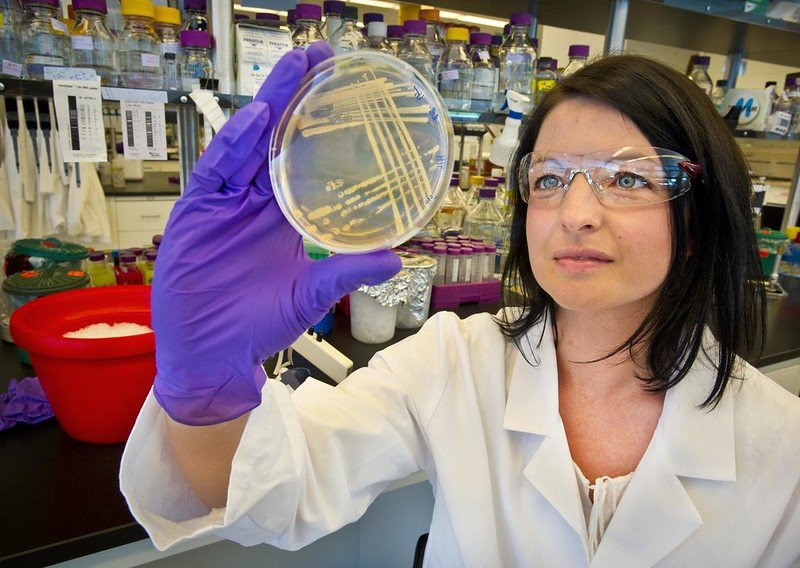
[547,183]
[627,180]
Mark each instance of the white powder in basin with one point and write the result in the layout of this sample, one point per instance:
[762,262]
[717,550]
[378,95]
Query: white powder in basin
[103,330]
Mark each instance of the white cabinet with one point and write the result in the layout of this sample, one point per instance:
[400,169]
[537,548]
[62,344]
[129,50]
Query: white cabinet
[786,374]
[135,219]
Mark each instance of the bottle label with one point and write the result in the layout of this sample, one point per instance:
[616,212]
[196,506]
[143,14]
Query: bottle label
[515,58]
[483,55]
[454,272]
[58,26]
[168,48]
[149,60]
[544,85]
[2,21]
[483,84]
[12,68]
[779,122]
[83,42]
[450,75]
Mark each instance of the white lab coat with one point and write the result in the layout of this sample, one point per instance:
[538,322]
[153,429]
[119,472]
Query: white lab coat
[714,488]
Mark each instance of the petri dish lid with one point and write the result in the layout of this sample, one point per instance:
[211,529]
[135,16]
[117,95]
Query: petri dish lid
[361,159]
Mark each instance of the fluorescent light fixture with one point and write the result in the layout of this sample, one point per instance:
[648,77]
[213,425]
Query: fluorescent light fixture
[468,19]
[241,8]
[377,4]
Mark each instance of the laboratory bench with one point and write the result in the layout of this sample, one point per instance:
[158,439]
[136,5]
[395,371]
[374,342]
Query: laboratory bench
[60,498]
[152,184]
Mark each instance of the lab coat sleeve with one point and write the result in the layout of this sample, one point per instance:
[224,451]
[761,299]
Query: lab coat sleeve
[784,547]
[309,462]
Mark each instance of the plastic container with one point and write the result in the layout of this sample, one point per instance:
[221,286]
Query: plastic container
[414,50]
[45,42]
[348,175]
[376,36]
[394,37]
[333,17]
[455,70]
[465,266]
[307,25]
[348,37]
[370,322]
[699,73]
[452,267]
[100,273]
[440,255]
[197,64]
[139,52]
[484,72]
[95,386]
[127,272]
[517,58]
[577,59]
[33,254]
[167,26]
[149,265]
[771,244]
[93,44]
[194,15]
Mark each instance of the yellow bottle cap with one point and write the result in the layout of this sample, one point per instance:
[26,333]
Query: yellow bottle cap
[429,14]
[165,15]
[456,34]
[407,12]
[476,180]
[138,8]
[792,232]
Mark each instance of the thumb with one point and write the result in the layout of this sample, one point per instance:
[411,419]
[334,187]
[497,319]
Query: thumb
[331,278]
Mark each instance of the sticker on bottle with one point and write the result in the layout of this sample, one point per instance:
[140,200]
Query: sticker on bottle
[515,58]
[58,26]
[85,43]
[168,48]
[450,75]
[483,55]
[2,21]
[779,122]
[12,68]
[149,60]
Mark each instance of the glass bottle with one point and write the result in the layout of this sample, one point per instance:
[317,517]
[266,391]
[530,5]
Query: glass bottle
[93,44]
[455,77]
[291,20]
[139,55]
[484,72]
[517,58]
[127,272]
[497,42]
[150,256]
[197,62]
[367,19]
[414,51]
[453,209]
[476,183]
[10,32]
[333,17]
[546,78]
[349,37]
[395,38]
[376,35]
[484,221]
[45,44]
[699,73]
[194,15]
[789,103]
[718,96]
[434,36]
[167,25]
[307,22]
[100,273]
[577,59]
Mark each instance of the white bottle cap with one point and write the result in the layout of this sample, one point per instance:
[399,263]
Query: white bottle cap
[376,29]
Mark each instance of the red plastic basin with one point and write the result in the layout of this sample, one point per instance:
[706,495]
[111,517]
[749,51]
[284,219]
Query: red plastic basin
[95,386]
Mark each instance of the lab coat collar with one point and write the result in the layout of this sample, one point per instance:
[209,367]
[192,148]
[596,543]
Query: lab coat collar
[656,514]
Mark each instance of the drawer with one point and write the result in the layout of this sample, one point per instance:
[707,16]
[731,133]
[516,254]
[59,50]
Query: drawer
[143,215]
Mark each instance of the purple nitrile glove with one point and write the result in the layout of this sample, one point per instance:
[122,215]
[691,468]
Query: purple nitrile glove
[233,284]
[24,403]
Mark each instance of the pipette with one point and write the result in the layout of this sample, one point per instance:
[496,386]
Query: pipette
[29,108]
[44,124]
[12,118]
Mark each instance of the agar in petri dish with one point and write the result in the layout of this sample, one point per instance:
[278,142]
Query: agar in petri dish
[361,159]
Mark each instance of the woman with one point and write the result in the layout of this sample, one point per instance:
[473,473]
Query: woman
[600,424]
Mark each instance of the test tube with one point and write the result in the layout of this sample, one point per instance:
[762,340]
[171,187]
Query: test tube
[453,258]
[465,266]
[478,263]
[488,266]
[440,254]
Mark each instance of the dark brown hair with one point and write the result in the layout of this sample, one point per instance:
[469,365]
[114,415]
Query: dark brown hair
[715,275]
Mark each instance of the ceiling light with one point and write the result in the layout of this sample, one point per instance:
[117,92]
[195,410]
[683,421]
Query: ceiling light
[377,4]
[259,10]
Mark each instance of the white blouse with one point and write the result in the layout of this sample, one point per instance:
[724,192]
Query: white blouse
[599,507]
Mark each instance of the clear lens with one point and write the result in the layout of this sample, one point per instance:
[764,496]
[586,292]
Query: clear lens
[627,176]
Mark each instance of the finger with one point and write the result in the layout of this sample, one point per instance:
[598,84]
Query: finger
[318,52]
[282,81]
[329,279]
[230,150]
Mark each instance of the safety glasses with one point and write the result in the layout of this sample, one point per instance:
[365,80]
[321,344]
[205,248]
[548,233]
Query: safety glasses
[625,177]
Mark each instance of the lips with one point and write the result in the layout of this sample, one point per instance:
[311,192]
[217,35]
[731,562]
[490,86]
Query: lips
[581,254]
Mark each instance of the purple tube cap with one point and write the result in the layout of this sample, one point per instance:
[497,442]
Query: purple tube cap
[578,51]
[291,16]
[394,31]
[480,38]
[150,254]
[268,17]
[487,192]
[127,257]
[467,250]
[453,251]
[97,255]
[521,19]
[51,2]
[497,40]
[194,5]
[491,183]
[701,59]
[97,5]
[195,38]
[333,7]
[415,27]
[372,17]
[307,12]
[491,248]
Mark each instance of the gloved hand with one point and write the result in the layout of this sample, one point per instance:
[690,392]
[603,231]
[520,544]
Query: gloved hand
[233,284]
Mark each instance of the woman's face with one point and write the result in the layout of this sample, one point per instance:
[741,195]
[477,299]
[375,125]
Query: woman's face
[588,257]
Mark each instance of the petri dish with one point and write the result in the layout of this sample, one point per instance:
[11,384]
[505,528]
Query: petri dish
[362,157]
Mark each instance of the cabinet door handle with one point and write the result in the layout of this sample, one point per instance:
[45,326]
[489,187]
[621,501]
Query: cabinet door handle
[153,216]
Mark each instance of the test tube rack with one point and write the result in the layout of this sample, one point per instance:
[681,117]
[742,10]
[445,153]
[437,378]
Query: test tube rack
[445,296]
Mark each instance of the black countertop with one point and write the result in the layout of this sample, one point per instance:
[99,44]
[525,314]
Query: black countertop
[153,184]
[60,498]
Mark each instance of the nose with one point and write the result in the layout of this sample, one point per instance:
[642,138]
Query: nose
[580,209]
